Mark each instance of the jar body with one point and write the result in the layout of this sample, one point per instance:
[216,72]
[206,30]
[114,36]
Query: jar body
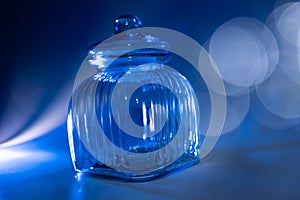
[135,124]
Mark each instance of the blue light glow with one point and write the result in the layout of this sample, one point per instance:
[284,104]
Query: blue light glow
[12,159]
[51,118]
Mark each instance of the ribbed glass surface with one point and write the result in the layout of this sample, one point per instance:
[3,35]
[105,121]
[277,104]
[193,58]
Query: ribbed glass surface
[134,123]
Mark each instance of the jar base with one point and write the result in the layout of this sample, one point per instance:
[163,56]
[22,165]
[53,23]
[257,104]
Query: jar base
[185,161]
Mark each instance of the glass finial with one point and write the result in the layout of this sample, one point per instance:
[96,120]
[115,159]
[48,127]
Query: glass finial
[126,22]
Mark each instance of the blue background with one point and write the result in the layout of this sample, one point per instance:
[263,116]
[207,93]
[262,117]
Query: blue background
[44,42]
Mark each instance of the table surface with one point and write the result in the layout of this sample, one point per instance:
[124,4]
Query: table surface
[250,163]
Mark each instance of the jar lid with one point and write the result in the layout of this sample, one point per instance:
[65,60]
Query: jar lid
[127,43]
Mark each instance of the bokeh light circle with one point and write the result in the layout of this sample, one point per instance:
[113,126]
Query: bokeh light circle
[245,52]
[288,23]
[237,109]
[280,95]
[284,22]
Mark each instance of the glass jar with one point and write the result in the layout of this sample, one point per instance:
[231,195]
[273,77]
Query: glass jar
[136,118]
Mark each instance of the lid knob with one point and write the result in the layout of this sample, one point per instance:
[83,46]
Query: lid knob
[126,22]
